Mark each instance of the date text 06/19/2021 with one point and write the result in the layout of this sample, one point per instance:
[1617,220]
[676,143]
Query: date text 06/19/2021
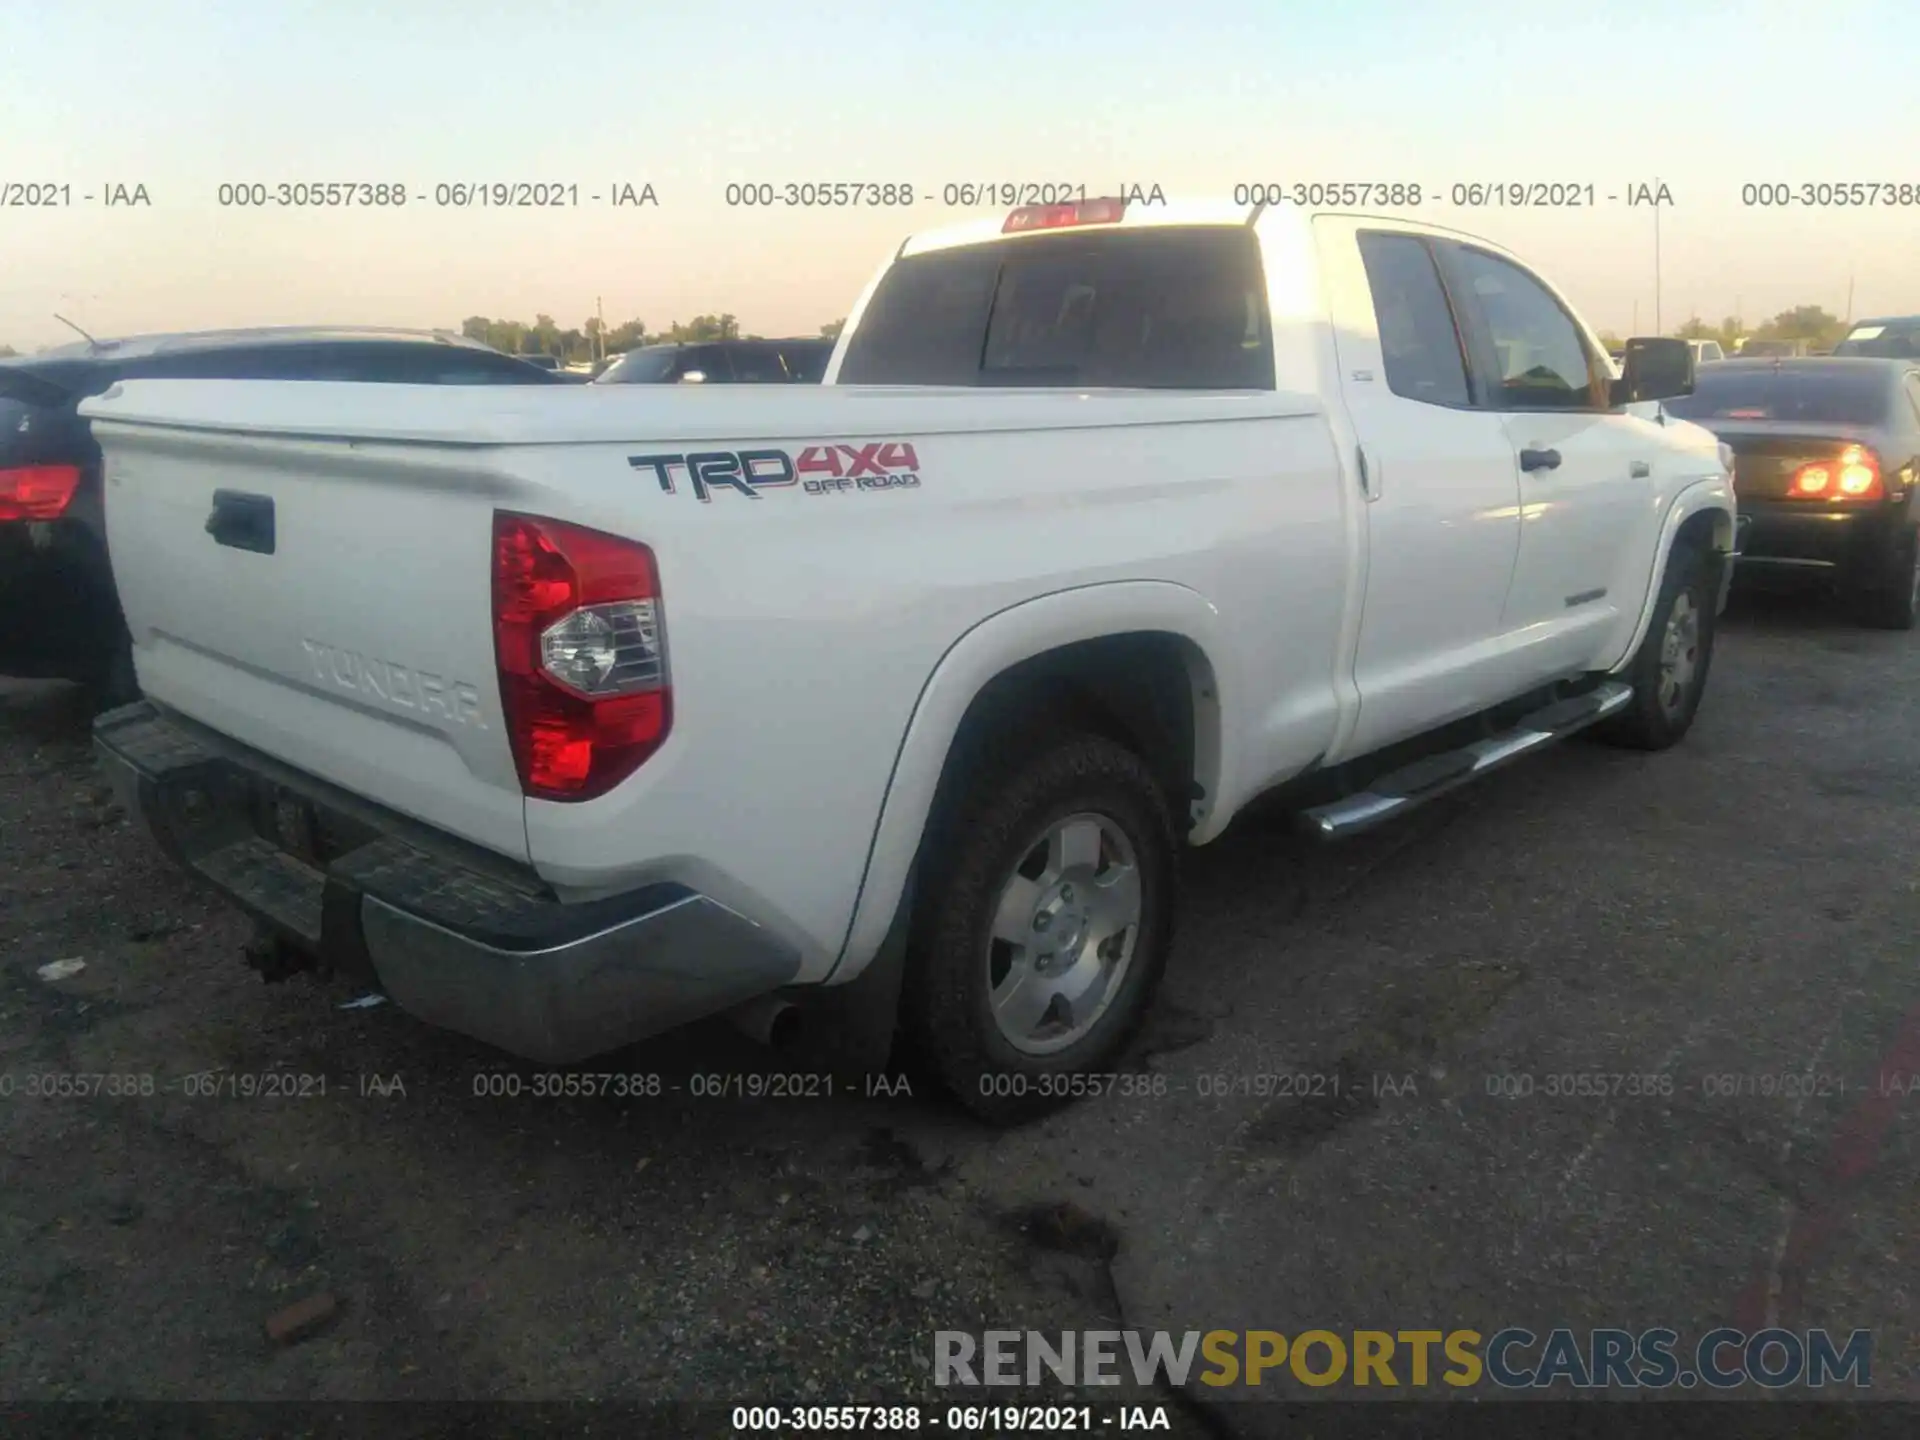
[1010,1419]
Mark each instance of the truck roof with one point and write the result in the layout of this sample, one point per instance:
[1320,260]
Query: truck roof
[1198,211]
[1173,212]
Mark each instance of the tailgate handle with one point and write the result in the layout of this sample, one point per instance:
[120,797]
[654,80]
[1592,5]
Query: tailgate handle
[242,521]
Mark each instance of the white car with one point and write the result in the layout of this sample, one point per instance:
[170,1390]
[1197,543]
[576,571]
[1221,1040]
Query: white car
[1108,520]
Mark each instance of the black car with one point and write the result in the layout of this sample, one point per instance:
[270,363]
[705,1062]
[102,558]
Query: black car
[722,362]
[59,614]
[1826,460]
[1891,337]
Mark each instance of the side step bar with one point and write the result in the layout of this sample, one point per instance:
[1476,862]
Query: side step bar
[1399,791]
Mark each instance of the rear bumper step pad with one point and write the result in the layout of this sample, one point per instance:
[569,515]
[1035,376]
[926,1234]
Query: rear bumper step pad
[469,946]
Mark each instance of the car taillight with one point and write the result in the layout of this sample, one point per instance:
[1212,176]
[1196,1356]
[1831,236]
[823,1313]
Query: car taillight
[581,650]
[37,492]
[1054,217]
[1854,476]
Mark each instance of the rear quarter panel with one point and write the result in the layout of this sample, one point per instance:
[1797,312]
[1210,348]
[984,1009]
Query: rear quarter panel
[804,630]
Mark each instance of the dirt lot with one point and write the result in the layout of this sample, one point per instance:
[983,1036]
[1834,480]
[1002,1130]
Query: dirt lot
[1742,907]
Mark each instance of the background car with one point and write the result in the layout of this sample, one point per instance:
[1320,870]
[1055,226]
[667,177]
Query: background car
[719,362]
[1706,352]
[558,369]
[1826,460]
[59,614]
[1893,337]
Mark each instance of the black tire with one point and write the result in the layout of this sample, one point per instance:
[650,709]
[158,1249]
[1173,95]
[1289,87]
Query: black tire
[993,823]
[1895,604]
[1658,715]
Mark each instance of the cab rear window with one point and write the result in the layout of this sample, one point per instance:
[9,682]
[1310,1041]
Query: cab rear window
[1179,307]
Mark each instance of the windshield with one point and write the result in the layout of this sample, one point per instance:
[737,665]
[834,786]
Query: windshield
[1803,396]
[1893,340]
[642,367]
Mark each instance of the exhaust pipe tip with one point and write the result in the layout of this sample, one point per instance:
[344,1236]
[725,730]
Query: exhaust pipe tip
[770,1021]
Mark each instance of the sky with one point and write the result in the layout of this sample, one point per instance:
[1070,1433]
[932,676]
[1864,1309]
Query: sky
[182,96]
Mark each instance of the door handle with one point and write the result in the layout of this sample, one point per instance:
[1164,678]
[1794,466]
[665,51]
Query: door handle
[1539,459]
[242,521]
[1369,472]
[1639,470]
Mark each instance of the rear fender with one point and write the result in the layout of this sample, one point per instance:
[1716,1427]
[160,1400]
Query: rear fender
[992,646]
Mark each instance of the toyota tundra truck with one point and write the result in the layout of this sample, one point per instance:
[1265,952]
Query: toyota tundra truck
[1107,521]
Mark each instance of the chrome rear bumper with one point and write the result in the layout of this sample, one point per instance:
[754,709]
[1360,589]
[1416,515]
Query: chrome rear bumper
[457,937]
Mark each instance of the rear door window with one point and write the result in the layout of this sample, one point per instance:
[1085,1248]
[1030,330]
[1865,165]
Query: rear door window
[1418,343]
[1162,308]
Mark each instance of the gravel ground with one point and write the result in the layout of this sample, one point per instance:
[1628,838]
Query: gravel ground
[1743,904]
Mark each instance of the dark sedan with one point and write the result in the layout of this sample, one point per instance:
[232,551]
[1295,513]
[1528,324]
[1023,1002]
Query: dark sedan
[59,613]
[1826,460]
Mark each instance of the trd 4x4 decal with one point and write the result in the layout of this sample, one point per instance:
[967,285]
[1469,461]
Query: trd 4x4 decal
[820,469]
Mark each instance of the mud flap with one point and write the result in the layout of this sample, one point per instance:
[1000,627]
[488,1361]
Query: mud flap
[849,1029]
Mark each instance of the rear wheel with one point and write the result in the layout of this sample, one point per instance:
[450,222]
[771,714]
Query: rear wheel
[1669,671]
[1044,932]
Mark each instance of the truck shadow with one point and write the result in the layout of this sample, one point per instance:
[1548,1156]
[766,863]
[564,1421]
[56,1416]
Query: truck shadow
[1782,606]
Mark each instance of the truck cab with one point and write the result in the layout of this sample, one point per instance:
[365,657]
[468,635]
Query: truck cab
[1516,494]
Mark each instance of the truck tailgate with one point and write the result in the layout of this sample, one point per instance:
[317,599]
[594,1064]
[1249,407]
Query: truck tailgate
[325,601]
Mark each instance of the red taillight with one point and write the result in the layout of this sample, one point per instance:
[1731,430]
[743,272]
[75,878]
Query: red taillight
[1054,217]
[1854,476]
[578,639]
[37,492]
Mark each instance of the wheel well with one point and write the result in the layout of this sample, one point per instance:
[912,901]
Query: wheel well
[1709,529]
[1152,691]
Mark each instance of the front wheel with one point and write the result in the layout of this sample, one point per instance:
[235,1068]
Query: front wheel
[1669,671]
[1046,927]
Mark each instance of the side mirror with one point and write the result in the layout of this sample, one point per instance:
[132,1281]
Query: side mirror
[1656,367]
[694,377]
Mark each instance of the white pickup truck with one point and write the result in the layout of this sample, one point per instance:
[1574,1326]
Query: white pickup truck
[1106,522]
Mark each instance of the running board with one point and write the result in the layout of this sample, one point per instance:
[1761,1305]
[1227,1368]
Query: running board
[1400,790]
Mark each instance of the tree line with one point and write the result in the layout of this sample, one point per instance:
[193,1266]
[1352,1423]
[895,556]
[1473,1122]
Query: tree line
[592,338]
[1810,323]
